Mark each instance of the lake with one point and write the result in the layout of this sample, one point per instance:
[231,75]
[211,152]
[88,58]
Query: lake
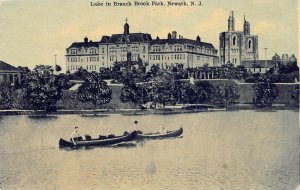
[218,150]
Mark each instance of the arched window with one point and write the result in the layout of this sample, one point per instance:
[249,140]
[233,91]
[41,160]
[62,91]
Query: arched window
[234,41]
[250,44]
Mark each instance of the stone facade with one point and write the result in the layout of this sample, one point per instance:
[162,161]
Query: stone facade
[238,46]
[171,51]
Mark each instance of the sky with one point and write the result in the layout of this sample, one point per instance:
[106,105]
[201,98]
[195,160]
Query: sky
[32,31]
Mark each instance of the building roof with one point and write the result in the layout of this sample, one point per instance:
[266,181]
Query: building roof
[257,64]
[182,41]
[84,44]
[132,37]
[6,67]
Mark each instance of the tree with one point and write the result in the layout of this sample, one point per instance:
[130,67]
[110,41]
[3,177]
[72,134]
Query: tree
[265,92]
[6,96]
[154,70]
[94,90]
[161,89]
[183,92]
[42,90]
[203,92]
[80,74]
[225,92]
[295,95]
[134,93]
[43,70]
[57,68]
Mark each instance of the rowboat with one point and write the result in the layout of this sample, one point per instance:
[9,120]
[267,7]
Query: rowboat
[104,141]
[169,134]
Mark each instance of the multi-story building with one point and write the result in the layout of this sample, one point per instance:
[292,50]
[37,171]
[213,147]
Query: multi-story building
[116,48]
[181,51]
[83,55]
[238,46]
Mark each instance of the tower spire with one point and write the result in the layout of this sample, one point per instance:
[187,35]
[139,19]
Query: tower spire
[126,27]
[231,22]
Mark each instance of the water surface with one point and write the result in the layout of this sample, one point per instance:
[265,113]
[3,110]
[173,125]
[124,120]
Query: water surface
[218,150]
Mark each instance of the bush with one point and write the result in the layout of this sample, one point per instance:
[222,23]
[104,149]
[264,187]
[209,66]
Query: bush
[265,92]
[225,92]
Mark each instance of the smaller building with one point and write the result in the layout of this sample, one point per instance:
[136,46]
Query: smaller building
[9,73]
[257,66]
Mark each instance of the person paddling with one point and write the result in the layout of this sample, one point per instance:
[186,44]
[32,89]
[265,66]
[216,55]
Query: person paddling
[134,127]
[74,135]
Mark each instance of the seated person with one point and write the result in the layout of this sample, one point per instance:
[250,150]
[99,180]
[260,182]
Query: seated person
[74,135]
[162,130]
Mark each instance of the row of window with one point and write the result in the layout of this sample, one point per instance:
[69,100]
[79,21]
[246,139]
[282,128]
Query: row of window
[82,51]
[135,49]
[88,59]
[124,58]
[202,58]
[124,49]
[162,57]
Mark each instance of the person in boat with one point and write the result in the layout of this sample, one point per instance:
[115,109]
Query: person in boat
[162,130]
[135,124]
[74,135]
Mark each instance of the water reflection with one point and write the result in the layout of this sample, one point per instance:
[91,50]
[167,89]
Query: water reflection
[42,117]
[94,115]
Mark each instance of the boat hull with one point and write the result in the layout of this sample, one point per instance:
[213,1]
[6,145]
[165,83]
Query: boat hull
[98,142]
[170,134]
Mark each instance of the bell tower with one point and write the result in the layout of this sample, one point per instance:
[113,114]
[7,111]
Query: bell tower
[126,28]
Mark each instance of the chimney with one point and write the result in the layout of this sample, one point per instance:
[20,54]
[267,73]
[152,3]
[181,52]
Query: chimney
[174,35]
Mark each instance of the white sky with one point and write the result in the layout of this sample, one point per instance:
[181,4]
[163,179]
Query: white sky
[32,32]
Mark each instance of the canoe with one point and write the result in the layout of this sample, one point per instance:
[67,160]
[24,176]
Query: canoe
[169,134]
[99,142]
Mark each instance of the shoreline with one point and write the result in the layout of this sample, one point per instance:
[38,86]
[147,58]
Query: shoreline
[137,112]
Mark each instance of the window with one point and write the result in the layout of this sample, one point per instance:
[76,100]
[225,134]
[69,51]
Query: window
[178,48]
[234,40]
[250,44]
[156,48]
[73,51]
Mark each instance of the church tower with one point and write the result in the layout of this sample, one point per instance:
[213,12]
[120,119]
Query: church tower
[231,22]
[246,27]
[126,28]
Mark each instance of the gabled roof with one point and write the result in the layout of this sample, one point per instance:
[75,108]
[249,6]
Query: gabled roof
[132,37]
[6,67]
[84,44]
[257,64]
[182,41]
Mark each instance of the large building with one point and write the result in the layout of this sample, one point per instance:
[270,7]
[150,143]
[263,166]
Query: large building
[171,51]
[238,46]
